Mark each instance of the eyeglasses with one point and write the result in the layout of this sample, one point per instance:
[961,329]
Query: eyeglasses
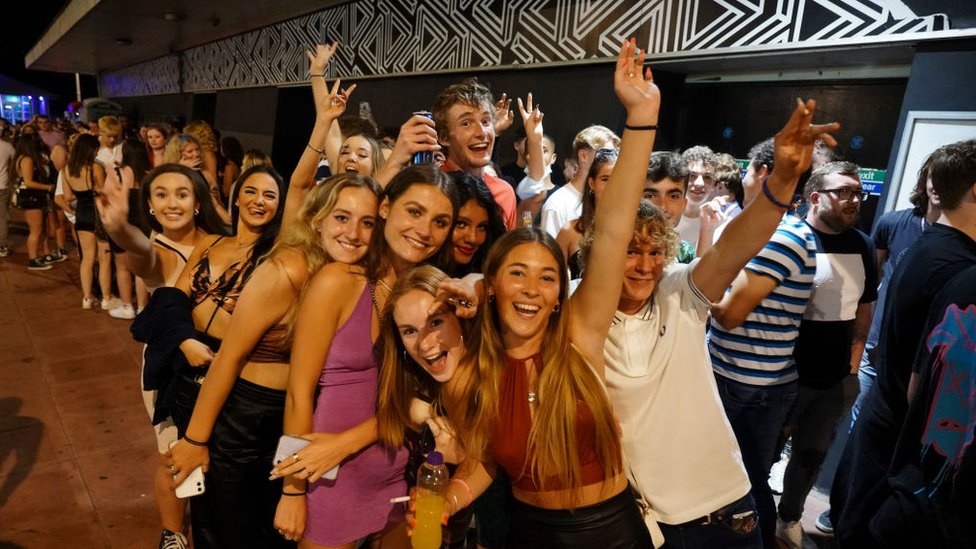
[848,194]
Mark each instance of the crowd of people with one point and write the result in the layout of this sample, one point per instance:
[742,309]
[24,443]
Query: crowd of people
[614,362]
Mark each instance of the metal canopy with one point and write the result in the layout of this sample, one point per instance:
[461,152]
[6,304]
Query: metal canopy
[90,36]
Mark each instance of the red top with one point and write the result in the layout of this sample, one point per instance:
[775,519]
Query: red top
[500,190]
[510,440]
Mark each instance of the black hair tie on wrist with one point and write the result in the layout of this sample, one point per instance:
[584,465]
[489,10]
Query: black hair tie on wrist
[650,128]
[771,198]
[193,442]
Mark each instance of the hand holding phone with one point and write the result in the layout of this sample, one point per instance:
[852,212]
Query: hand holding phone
[288,447]
[192,485]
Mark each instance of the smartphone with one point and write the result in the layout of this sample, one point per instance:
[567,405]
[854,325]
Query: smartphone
[289,445]
[192,485]
[364,109]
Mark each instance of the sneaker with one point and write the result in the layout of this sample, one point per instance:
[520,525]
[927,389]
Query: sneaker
[38,264]
[111,303]
[63,252]
[172,540]
[124,311]
[792,535]
[823,523]
[87,302]
[4,251]
[55,258]
[776,473]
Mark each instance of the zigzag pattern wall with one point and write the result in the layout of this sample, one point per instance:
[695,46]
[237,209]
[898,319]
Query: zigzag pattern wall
[384,37]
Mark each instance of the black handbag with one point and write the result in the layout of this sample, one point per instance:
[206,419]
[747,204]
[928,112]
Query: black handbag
[29,199]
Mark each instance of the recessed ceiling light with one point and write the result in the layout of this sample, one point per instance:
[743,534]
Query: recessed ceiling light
[123,41]
[174,16]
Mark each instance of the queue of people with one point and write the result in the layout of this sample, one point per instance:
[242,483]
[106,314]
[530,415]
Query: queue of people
[615,362]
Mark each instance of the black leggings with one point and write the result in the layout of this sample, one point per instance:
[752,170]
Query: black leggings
[615,523]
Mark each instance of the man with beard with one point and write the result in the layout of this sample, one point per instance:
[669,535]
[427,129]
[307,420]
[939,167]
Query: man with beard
[832,332]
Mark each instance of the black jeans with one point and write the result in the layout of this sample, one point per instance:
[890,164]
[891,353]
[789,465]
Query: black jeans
[612,524]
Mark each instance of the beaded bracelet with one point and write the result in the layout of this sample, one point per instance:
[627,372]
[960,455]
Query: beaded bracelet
[771,198]
[193,442]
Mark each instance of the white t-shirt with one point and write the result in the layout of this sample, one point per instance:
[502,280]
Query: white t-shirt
[676,438]
[7,154]
[688,228]
[564,204]
[59,190]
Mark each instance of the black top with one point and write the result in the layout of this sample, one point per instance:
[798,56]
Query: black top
[932,475]
[937,256]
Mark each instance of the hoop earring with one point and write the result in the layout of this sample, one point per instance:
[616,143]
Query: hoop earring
[152,211]
[491,298]
[196,212]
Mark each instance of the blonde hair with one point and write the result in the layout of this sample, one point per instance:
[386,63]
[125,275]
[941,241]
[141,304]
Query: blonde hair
[650,226]
[254,157]
[565,379]
[110,124]
[203,133]
[173,151]
[400,376]
[301,234]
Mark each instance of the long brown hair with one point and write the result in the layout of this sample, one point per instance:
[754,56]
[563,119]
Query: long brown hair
[400,376]
[566,379]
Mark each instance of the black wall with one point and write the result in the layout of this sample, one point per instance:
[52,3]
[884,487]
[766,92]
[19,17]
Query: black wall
[943,78]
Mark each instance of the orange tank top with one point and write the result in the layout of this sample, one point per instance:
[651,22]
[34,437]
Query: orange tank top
[510,439]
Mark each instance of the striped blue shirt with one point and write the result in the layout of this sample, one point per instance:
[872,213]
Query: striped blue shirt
[759,352]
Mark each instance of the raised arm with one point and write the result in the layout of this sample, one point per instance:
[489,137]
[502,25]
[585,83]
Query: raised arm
[533,184]
[113,209]
[750,231]
[329,105]
[595,301]
[417,134]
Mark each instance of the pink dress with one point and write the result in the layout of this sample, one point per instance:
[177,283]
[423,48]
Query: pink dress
[357,503]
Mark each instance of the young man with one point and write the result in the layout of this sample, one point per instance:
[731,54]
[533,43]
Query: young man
[464,115]
[701,182]
[752,332]
[832,333]
[944,250]
[667,179]
[566,203]
[680,448]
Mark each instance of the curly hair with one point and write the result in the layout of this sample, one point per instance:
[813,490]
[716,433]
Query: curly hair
[469,92]
[650,226]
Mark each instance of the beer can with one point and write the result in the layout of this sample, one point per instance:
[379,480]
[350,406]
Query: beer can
[423,157]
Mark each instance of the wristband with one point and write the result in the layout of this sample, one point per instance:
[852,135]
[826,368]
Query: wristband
[194,442]
[466,487]
[284,493]
[650,128]
[320,151]
[769,196]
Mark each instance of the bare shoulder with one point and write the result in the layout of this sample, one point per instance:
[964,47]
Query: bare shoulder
[337,279]
[291,262]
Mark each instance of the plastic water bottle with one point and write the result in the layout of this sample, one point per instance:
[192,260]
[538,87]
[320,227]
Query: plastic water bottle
[432,479]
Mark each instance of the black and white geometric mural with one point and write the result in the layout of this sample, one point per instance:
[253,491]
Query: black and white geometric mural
[383,37]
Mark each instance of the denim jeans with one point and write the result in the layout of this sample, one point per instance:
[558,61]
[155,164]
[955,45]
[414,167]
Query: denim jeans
[715,534]
[865,376]
[756,414]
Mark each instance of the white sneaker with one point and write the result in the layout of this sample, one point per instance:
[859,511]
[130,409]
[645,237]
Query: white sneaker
[111,303]
[776,473]
[124,311]
[87,302]
[792,535]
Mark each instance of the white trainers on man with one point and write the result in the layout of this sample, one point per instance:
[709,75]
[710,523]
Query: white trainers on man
[124,311]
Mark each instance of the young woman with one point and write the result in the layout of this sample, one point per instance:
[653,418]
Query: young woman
[538,408]
[478,225]
[205,137]
[134,166]
[35,171]
[79,185]
[571,233]
[175,202]
[334,372]
[239,410]
[184,326]
[156,136]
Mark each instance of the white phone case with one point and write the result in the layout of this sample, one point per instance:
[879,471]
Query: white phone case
[192,485]
[289,445]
